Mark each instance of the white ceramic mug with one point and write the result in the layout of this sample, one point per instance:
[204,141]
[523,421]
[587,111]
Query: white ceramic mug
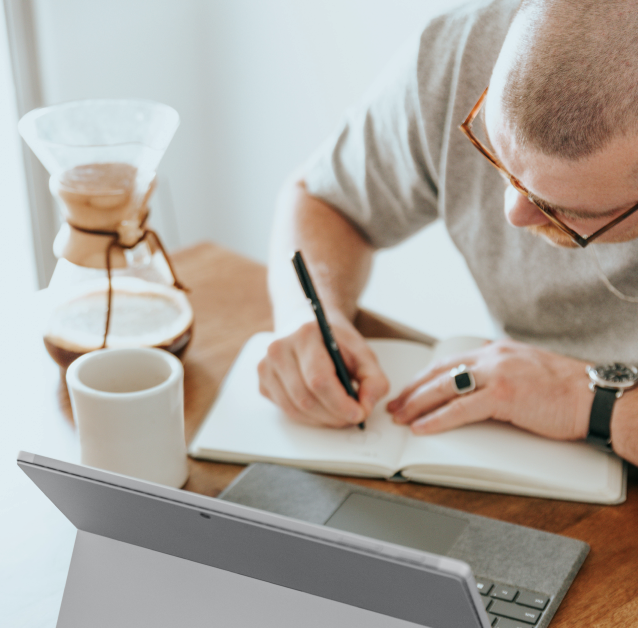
[128,405]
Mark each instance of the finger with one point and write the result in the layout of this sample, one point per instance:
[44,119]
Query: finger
[320,379]
[430,396]
[293,395]
[425,399]
[428,374]
[463,410]
[272,387]
[373,384]
[316,418]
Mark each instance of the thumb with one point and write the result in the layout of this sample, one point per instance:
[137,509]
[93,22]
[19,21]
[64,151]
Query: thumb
[373,384]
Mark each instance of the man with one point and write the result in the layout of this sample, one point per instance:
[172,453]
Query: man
[560,122]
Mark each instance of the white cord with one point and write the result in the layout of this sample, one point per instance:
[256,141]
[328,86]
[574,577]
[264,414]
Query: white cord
[608,284]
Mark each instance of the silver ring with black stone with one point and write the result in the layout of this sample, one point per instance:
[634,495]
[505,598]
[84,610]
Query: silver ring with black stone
[462,380]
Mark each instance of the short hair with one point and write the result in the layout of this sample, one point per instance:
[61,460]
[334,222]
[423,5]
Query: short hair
[573,86]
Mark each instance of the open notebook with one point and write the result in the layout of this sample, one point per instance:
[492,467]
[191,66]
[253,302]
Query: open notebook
[243,426]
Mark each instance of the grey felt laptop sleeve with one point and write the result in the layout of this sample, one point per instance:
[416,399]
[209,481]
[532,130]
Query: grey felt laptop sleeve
[507,553]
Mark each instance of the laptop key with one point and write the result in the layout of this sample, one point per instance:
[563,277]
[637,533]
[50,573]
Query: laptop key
[494,620]
[502,592]
[513,611]
[484,586]
[486,602]
[534,600]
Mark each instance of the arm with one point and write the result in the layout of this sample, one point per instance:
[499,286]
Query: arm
[297,372]
[377,168]
[337,256]
[624,426]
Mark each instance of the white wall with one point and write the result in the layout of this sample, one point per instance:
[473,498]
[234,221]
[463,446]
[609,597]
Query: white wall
[258,85]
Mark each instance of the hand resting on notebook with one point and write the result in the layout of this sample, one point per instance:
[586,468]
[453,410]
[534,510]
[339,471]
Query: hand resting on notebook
[536,390]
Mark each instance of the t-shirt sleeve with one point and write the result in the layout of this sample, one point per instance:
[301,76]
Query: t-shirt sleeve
[377,169]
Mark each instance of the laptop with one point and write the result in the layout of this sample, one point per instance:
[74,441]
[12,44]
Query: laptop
[149,555]
[522,574]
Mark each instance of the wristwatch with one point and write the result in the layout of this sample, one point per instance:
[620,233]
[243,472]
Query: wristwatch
[608,382]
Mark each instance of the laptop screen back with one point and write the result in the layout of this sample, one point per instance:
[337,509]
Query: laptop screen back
[411,593]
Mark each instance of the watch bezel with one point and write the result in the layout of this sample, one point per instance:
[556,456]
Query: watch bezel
[593,372]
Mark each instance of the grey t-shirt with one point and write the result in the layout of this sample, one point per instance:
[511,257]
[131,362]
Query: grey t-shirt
[399,162]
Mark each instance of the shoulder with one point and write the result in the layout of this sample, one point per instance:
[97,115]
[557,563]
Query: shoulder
[469,35]
[487,17]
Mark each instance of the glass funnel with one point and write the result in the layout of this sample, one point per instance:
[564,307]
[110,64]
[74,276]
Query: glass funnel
[114,284]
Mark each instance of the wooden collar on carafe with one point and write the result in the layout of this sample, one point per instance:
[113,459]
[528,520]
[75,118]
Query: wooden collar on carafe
[117,243]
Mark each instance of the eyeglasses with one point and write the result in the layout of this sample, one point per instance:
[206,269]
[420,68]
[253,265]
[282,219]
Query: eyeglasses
[580,240]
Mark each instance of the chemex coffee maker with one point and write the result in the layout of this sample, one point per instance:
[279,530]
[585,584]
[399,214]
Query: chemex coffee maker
[113,285]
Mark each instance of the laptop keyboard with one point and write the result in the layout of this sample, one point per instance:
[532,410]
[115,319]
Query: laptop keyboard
[511,607]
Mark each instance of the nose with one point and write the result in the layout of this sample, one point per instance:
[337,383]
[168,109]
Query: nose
[520,212]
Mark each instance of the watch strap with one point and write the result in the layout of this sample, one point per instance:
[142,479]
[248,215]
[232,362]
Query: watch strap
[600,418]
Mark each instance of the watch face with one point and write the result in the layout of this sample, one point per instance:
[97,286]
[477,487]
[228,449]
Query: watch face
[615,375]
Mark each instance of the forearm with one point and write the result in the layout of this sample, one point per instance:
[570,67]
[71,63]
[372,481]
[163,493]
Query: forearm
[337,256]
[624,427]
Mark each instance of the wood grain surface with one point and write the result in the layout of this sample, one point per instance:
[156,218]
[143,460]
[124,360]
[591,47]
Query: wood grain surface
[229,297]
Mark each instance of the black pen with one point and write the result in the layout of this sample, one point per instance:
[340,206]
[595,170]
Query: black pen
[326,332]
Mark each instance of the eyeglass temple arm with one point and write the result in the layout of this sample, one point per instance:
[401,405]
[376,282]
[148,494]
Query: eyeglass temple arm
[612,224]
[466,128]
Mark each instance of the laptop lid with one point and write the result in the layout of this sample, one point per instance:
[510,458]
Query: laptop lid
[301,564]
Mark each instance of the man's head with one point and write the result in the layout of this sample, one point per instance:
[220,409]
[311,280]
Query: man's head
[562,115]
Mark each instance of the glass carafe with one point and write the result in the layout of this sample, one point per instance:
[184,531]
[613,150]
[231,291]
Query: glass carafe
[113,285]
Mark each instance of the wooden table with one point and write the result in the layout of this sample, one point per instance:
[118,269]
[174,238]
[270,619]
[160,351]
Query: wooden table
[231,303]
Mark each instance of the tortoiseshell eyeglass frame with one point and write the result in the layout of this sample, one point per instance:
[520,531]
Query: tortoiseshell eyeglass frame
[580,240]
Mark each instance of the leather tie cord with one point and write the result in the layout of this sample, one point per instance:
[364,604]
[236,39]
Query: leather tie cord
[115,243]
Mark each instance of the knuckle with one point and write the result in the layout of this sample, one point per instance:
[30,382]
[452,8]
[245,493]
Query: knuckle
[304,402]
[437,365]
[502,388]
[413,410]
[460,406]
[504,347]
[369,355]
[293,413]
[442,384]
[384,387]
[262,368]
[276,350]
[264,391]
[346,411]
[435,422]
[307,330]
[318,382]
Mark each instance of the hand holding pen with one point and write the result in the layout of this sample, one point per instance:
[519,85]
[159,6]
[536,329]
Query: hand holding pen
[298,374]
[326,332]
